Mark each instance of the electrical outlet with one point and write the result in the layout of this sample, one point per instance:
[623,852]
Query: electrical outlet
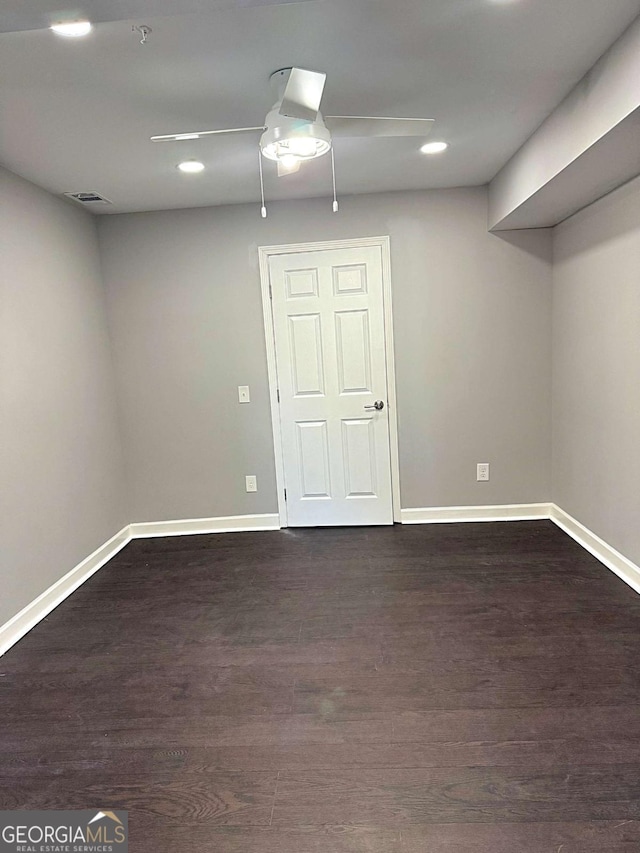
[252,482]
[482,472]
[243,394]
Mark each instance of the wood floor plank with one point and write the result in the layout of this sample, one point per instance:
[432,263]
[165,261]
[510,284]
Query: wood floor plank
[592,722]
[460,795]
[201,652]
[93,730]
[379,620]
[405,652]
[585,837]
[205,691]
[224,798]
[271,839]
[512,683]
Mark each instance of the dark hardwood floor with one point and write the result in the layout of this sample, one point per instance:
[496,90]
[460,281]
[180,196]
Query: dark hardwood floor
[468,688]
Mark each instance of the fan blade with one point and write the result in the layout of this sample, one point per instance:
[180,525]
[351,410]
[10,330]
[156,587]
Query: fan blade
[303,94]
[196,134]
[377,126]
[288,170]
[18,15]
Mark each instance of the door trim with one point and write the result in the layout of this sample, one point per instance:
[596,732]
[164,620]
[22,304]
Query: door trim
[264,253]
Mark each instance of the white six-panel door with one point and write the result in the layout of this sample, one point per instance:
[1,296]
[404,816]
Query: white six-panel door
[328,319]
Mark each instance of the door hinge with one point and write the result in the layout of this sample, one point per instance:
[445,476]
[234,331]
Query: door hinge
[278,393]
[285,494]
[270,291]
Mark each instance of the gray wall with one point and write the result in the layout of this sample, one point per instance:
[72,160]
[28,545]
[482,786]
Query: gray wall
[61,487]
[605,96]
[472,325]
[596,376]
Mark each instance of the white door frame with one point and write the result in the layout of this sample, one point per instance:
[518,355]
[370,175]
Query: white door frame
[264,253]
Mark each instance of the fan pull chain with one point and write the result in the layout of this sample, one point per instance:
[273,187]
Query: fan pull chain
[333,175]
[263,209]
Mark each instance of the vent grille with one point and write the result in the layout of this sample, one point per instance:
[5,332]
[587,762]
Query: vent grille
[88,198]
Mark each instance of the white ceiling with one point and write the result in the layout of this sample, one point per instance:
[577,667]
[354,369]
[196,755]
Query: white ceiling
[77,114]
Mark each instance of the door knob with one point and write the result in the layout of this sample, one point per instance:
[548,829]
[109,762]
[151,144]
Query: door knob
[378,405]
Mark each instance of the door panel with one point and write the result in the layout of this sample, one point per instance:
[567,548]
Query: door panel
[359,454]
[352,350]
[350,279]
[305,348]
[301,283]
[313,459]
[328,317]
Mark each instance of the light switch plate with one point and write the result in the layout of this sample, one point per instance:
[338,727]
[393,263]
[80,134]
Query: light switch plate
[243,394]
[252,482]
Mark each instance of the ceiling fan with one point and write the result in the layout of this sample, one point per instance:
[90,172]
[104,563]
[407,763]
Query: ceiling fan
[295,130]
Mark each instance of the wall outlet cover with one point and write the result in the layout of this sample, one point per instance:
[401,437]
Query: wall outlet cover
[482,472]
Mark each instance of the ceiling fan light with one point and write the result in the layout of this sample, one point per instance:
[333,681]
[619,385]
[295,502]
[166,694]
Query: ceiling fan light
[289,161]
[296,149]
[72,29]
[285,137]
[302,147]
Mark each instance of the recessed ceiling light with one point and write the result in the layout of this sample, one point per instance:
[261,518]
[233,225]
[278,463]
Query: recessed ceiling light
[191,166]
[434,147]
[72,29]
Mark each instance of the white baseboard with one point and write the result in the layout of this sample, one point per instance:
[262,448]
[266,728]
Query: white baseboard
[612,559]
[601,550]
[24,621]
[29,616]
[500,512]
[40,607]
[222,524]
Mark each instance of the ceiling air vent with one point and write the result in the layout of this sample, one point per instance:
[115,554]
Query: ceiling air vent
[89,198]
